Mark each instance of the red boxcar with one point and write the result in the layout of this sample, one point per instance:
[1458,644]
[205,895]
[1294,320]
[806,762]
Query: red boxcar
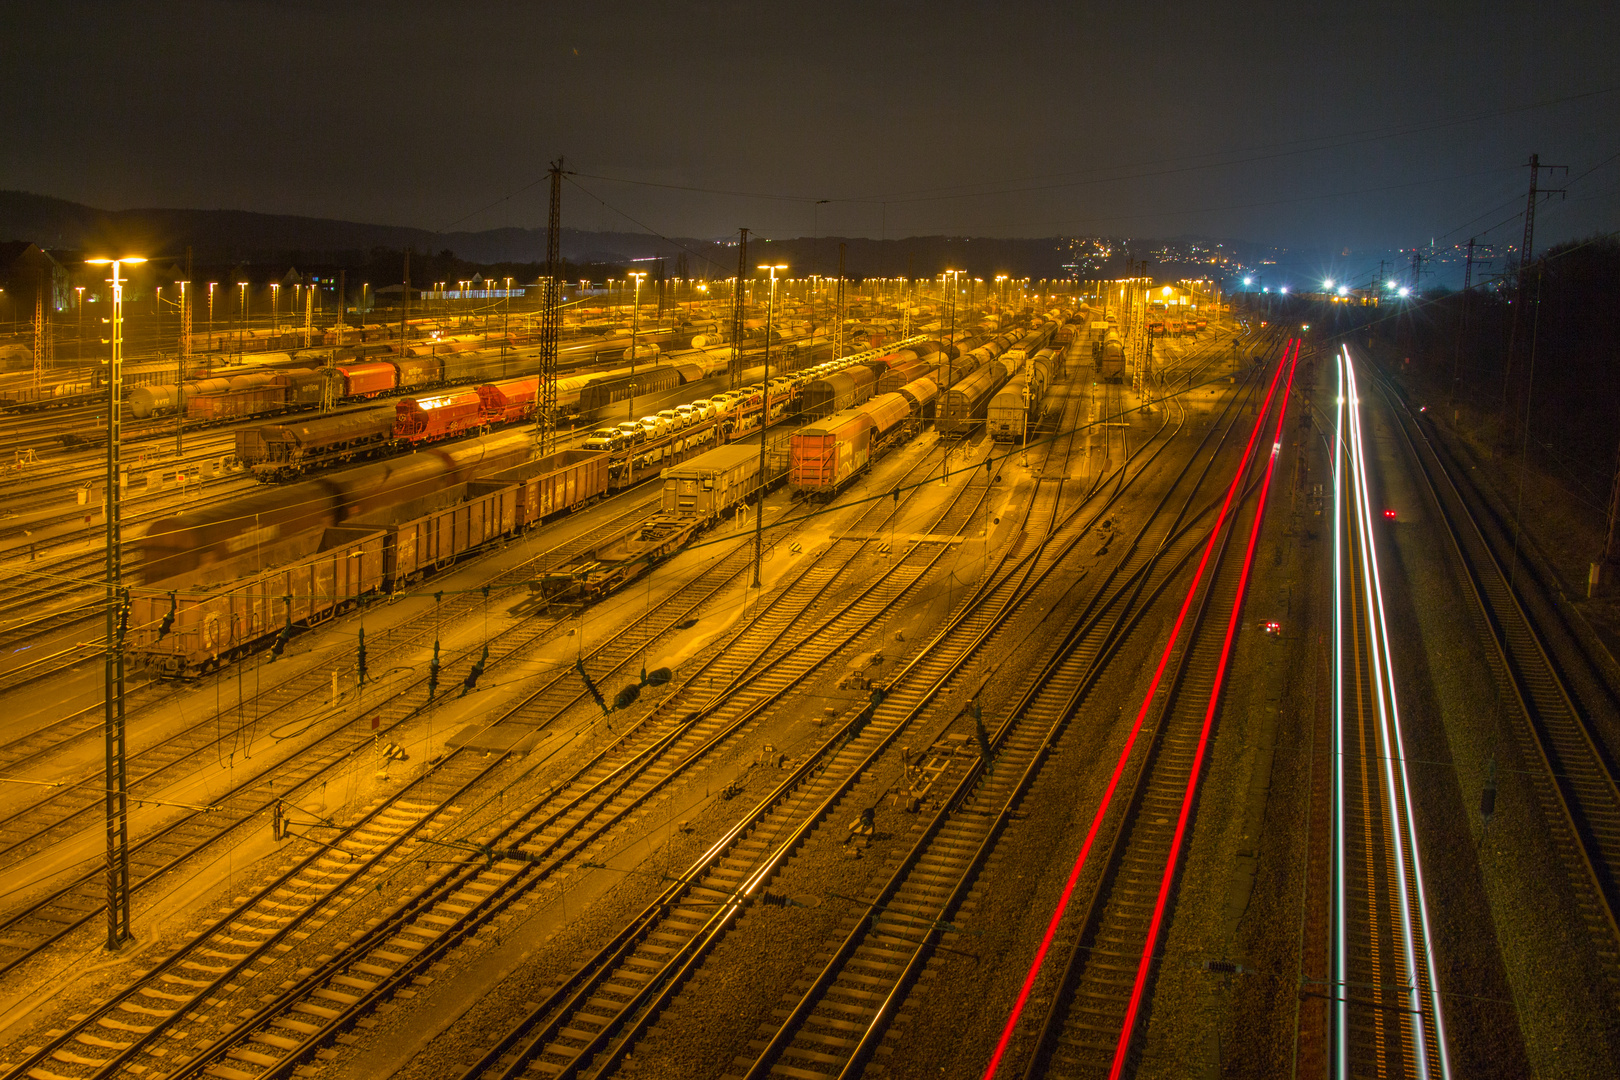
[368,380]
[825,455]
[424,419]
[509,399]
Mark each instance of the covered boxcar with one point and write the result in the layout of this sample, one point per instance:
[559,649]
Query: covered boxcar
[901,374]
[1111,357]
[963,405]
[368,379]
[923,394]
[277,451]
[837,391]
[1008,413]
[438,416]
[712,483]
[609,389]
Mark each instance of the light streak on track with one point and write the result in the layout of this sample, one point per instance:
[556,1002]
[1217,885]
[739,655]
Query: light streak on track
[1422,1012]
[1124,756]
[1167,882]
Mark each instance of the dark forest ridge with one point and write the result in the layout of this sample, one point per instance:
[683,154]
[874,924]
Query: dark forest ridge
[232,236]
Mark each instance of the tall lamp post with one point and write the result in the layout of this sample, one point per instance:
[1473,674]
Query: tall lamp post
[764,422]
[117,802]
[954,277]
[635,317]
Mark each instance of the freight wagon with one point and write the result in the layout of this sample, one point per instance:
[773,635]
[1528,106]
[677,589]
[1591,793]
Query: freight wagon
[238,602]
[837,391]
[1008,412]
[280,451]
[963,405]
[1111,358]
[827,455]
[695,495]
[260,520]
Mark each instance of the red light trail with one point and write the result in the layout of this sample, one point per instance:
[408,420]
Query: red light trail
[1145,964]
[1130,741]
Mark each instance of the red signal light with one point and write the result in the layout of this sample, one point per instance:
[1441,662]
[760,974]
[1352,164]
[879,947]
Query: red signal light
[1390,514]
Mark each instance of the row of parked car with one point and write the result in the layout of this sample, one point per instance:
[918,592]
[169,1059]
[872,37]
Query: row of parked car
[667,421]
[742,406]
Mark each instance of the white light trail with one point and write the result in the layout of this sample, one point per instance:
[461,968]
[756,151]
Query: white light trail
[1399,794]
[1338,977]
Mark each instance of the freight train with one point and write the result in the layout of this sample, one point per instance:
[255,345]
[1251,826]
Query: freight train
[199,618]
[695,495]
[1111,357]
[1017,407]
[827,454]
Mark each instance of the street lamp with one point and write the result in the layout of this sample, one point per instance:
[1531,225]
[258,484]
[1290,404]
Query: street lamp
[117,804]
[635,317]
[764,422]
[275,309]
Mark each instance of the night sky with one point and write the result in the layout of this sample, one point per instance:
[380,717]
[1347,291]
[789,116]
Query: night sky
[1303,124]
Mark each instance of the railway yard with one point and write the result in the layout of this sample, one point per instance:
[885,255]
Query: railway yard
[1021,691]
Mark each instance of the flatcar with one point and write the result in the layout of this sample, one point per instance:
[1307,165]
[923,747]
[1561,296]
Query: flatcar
[695,494]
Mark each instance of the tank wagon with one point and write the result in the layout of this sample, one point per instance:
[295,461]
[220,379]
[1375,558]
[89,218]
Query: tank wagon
[1111,357]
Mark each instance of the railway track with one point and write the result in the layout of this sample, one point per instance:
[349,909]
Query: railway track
[589,1022]
[838,1021]
[1571,771]
[1380,993]
[1099,987]
[65,906]
[542,835]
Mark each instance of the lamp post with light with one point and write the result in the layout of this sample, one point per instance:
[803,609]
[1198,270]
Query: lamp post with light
[954,277]
[764,422]
[635,317]
[117,802]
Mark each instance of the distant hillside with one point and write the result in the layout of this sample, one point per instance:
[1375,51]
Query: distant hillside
[239,237]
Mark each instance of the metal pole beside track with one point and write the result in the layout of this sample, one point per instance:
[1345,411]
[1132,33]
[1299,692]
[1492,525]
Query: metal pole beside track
[116,798]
